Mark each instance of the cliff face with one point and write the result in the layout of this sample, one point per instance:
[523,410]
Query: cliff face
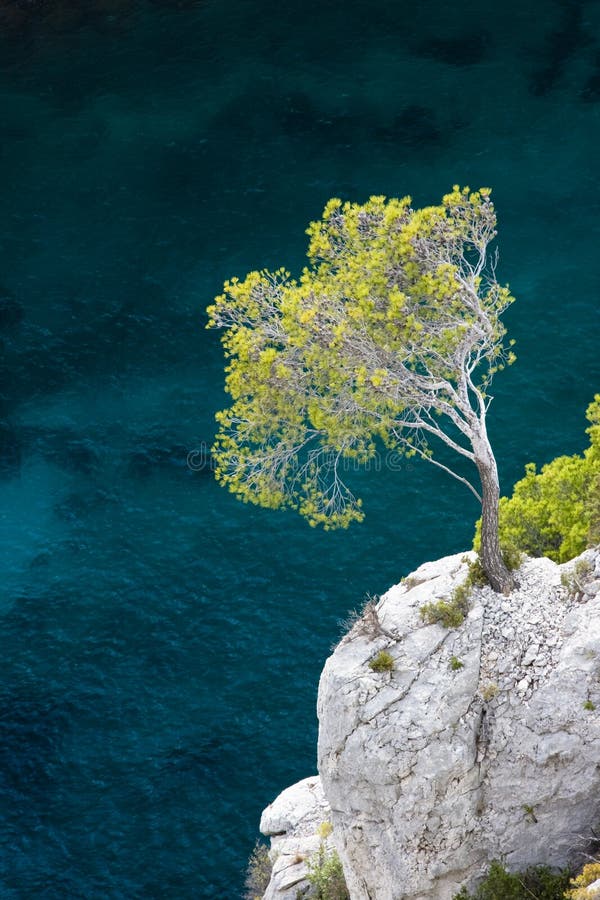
[483,742]
[293,822]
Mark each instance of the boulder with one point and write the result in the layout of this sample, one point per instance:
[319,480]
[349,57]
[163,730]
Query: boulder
[294,822]
[482,742]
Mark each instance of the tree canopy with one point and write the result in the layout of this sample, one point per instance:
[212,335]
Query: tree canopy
[392,333]
[556,512]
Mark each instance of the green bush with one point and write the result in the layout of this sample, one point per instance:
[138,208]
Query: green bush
[449,613]
[556,512]
[443,612]
[456,663]
[258,872]
[538,883]
[326,875]
[383,662]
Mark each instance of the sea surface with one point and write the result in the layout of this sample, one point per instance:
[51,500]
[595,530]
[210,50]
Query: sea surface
[161,642]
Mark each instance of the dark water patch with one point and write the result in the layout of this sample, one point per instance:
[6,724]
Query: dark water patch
[298,116]
[252,117]
[67,449]
[467,49]
[153,453]
[183,760]
[346,128]
[590,91]
[79,508]
[11,449]
[60,17]
[11,311]
[561,45]
[259,116]
[33,726]
[414,127]
[118,325]
[189,169]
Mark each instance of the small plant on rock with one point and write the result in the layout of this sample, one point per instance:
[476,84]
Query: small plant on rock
[539,883]
[530,813]
[383,662]
[489,691]
[476,576]
[326,875]
[449,613]
[589,705]
[324,830]
[258,872]
[456,663]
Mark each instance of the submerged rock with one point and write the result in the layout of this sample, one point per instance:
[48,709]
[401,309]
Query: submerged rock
[482,742]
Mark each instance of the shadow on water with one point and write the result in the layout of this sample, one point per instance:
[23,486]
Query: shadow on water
[415,127]
[561,45]
[33,724]
[154,452]
[465,49]
[11,450]
[11,311]
[590,92]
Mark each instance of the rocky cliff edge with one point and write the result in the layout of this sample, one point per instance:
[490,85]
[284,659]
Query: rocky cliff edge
[479,742]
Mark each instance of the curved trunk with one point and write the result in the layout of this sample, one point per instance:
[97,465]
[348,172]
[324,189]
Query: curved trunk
[493,564]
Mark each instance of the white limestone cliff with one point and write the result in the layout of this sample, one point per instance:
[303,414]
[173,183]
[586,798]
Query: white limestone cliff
[294,822]
[483,742]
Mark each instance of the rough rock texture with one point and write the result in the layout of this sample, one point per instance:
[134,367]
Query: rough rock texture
[292,822]
[432,770]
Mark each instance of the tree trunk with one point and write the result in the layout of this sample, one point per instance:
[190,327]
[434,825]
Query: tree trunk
[493,564]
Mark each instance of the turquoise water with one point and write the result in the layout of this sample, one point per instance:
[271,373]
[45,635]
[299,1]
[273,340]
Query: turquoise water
[161,642]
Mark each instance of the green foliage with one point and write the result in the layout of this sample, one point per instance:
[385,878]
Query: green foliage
[442,612]
[512,557]
[476,576]
[383,662]
[326,875]
[538,883]
[449,613]
[589,874]
[556,512]
[391,330]
[258,872]
[324,829]
[589,705]
[456,663]
[489,691]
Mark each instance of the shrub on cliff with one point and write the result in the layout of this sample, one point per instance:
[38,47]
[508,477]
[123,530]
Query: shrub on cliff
[326,875]
[258,872]
[556,512]
[539,883]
